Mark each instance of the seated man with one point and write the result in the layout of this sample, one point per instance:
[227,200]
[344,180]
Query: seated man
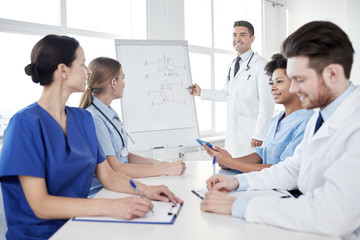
[286,129]
[326,164]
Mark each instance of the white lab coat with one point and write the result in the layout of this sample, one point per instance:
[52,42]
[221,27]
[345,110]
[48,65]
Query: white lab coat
[325,167]
[250,105]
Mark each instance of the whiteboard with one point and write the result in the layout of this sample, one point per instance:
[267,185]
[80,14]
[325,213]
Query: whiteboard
[157,109]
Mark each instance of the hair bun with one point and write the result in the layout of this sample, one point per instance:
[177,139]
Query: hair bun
[32,70]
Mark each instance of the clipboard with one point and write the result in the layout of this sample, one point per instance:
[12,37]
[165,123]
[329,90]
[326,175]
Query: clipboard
[164,213]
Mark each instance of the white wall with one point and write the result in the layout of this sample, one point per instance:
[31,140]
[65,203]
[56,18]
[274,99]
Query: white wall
[344,13]
[166,19]
[274,27]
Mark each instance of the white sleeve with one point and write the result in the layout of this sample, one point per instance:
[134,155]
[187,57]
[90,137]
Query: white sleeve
[331,208]
[215,95]
[283,175]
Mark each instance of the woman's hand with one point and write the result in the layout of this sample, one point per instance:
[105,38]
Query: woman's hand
[160,193]
[129,207]
[223,157]
[174,169]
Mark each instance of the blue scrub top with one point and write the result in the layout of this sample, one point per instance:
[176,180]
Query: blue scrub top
[283,136]
[35,145]
[108,137]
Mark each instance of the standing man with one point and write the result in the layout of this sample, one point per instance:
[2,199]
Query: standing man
[250,105]
[325,166]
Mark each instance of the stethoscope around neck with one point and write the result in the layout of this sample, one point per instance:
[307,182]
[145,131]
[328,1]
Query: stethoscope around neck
[124,151]
[246,68]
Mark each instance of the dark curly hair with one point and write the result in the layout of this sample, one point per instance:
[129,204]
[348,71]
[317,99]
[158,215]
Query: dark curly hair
[277,61]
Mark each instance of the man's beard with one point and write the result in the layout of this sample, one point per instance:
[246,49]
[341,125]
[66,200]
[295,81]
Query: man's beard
[324,97]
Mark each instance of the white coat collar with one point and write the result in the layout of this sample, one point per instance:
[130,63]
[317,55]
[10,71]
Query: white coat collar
[337,119]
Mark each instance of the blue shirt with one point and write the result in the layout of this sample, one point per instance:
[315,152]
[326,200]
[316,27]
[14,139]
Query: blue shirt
[245,56]
[110,140]
[240,204]
[35,145]
[283,136]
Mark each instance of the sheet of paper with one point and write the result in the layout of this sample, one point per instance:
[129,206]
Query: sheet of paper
[160,215]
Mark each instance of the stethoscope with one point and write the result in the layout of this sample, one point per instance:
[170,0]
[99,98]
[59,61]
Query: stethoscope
[246,68]
[124,151]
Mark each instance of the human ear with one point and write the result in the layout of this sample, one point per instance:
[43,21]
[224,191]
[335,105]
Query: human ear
[113,83]
[62,70]
[332,72]
[252,39]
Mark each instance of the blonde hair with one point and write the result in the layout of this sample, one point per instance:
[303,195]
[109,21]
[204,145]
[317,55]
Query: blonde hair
[103,70]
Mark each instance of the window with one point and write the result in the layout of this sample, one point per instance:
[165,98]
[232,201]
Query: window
[93,23]
[31,11]
[208,29]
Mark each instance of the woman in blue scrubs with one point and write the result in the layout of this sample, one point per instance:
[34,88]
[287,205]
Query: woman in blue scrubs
[50,153]
[286,129]
[106,84]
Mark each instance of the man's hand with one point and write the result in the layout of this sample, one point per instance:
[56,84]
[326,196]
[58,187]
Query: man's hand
[222,183]
[217,202]
[196,90]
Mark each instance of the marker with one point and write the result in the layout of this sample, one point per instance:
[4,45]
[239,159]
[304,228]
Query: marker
[214,161]
[248,77]
[133,185]
[190,87]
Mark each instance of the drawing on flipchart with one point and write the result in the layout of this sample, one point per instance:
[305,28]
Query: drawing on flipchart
[167,93]
[164,74]
[164,66]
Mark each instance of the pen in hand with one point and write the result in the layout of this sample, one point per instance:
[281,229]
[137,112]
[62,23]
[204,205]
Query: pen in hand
[214,161]
[190,87]
[133,185]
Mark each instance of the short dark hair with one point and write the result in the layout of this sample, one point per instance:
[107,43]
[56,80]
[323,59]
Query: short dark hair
[246,24]
[277,61]
[47,54]
[324,43]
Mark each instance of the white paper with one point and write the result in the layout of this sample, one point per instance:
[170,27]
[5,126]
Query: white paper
[253,193]
[160,215]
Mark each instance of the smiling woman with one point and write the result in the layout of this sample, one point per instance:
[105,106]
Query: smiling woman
[286,129]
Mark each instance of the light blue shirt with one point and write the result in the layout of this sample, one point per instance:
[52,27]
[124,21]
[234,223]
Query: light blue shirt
[283,136]
[109,139]
[239,206]
[330,109]
[245,56]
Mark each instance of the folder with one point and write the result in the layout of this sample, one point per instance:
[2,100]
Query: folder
[164,213]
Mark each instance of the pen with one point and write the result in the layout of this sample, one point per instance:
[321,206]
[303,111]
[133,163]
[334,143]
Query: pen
[248,77]
[190,87]
[214,161]
[197,194]
[287,194]
[133,185]
[180,156]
